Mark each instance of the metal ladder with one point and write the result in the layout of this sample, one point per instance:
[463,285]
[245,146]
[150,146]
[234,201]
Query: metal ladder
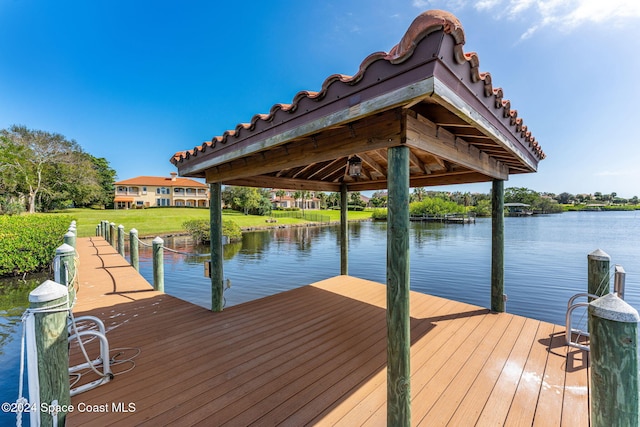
[618,289]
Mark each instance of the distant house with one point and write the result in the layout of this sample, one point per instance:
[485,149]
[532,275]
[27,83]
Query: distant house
[147,191]
[288,200]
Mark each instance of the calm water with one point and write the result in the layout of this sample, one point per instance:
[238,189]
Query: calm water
[545,263]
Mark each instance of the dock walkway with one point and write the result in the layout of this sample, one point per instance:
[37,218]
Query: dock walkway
[316,355]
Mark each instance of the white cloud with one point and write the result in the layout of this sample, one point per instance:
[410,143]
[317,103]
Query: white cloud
[565,14]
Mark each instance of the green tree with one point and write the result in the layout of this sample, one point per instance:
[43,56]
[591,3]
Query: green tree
[26,154]
[565,198]
[323,199]
[106,178]
[520,195]
[280,194]
[333,199]
[418,194]
[249,200]
[355,199]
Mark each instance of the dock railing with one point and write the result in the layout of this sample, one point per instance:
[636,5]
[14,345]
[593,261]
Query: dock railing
[48,328]
[309,216]
[613,344]
[107,230]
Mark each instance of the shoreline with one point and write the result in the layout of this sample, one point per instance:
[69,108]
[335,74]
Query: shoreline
[260,228]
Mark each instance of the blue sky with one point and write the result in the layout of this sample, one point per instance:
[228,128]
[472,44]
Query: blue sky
[136,81]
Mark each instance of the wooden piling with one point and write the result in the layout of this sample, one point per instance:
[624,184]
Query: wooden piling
[112,234]
[613,328]
[70,239]
[105,230]
[497,246]
[121,240]
[344,230]
[398,320]
[133,249]
[65,270]
[158,264]
[598,275]
[51,348]
[215,245]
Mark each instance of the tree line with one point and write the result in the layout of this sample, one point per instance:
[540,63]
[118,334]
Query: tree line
[258,201]
[43,171]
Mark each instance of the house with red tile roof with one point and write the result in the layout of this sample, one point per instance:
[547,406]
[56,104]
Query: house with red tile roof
[286,199]
[151,191]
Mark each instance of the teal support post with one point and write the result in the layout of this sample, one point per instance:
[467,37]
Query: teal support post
[398,320]
[133,249]
[48,304]
[497,246]
[215,224]
[158,264]
[613,328]
[344,230]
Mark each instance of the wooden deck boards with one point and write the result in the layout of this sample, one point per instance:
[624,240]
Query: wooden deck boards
[316,355]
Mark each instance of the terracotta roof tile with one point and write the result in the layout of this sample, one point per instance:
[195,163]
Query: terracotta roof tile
[162,182]
[425,24]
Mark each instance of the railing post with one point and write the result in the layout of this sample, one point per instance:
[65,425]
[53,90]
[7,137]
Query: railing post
[613,328]
[121,240]
[598,274]
[73,229]
[619,281]
[48,352]
[158,264]
[70,239]
[105,230]
[133,249]
[112,234]
[97,230]
[65,270]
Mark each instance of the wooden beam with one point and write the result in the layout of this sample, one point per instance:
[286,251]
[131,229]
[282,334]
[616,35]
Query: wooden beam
[327,169]
[398,319]
[416,161]
[447,178]
[497,246]
[377,132]
[373,164]
[425,135]
[215,244]
[303,170]
[267,181]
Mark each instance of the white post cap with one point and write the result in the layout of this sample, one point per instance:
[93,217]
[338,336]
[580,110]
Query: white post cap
[48,291]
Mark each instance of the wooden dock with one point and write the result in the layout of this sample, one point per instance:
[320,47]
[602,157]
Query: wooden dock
[316,355]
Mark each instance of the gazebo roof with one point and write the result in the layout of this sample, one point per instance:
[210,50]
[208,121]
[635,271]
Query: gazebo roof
[426,93]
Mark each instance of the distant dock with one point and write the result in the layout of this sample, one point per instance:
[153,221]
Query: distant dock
[448,218]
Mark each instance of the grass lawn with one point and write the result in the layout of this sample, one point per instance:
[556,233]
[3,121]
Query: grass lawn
[157,221]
